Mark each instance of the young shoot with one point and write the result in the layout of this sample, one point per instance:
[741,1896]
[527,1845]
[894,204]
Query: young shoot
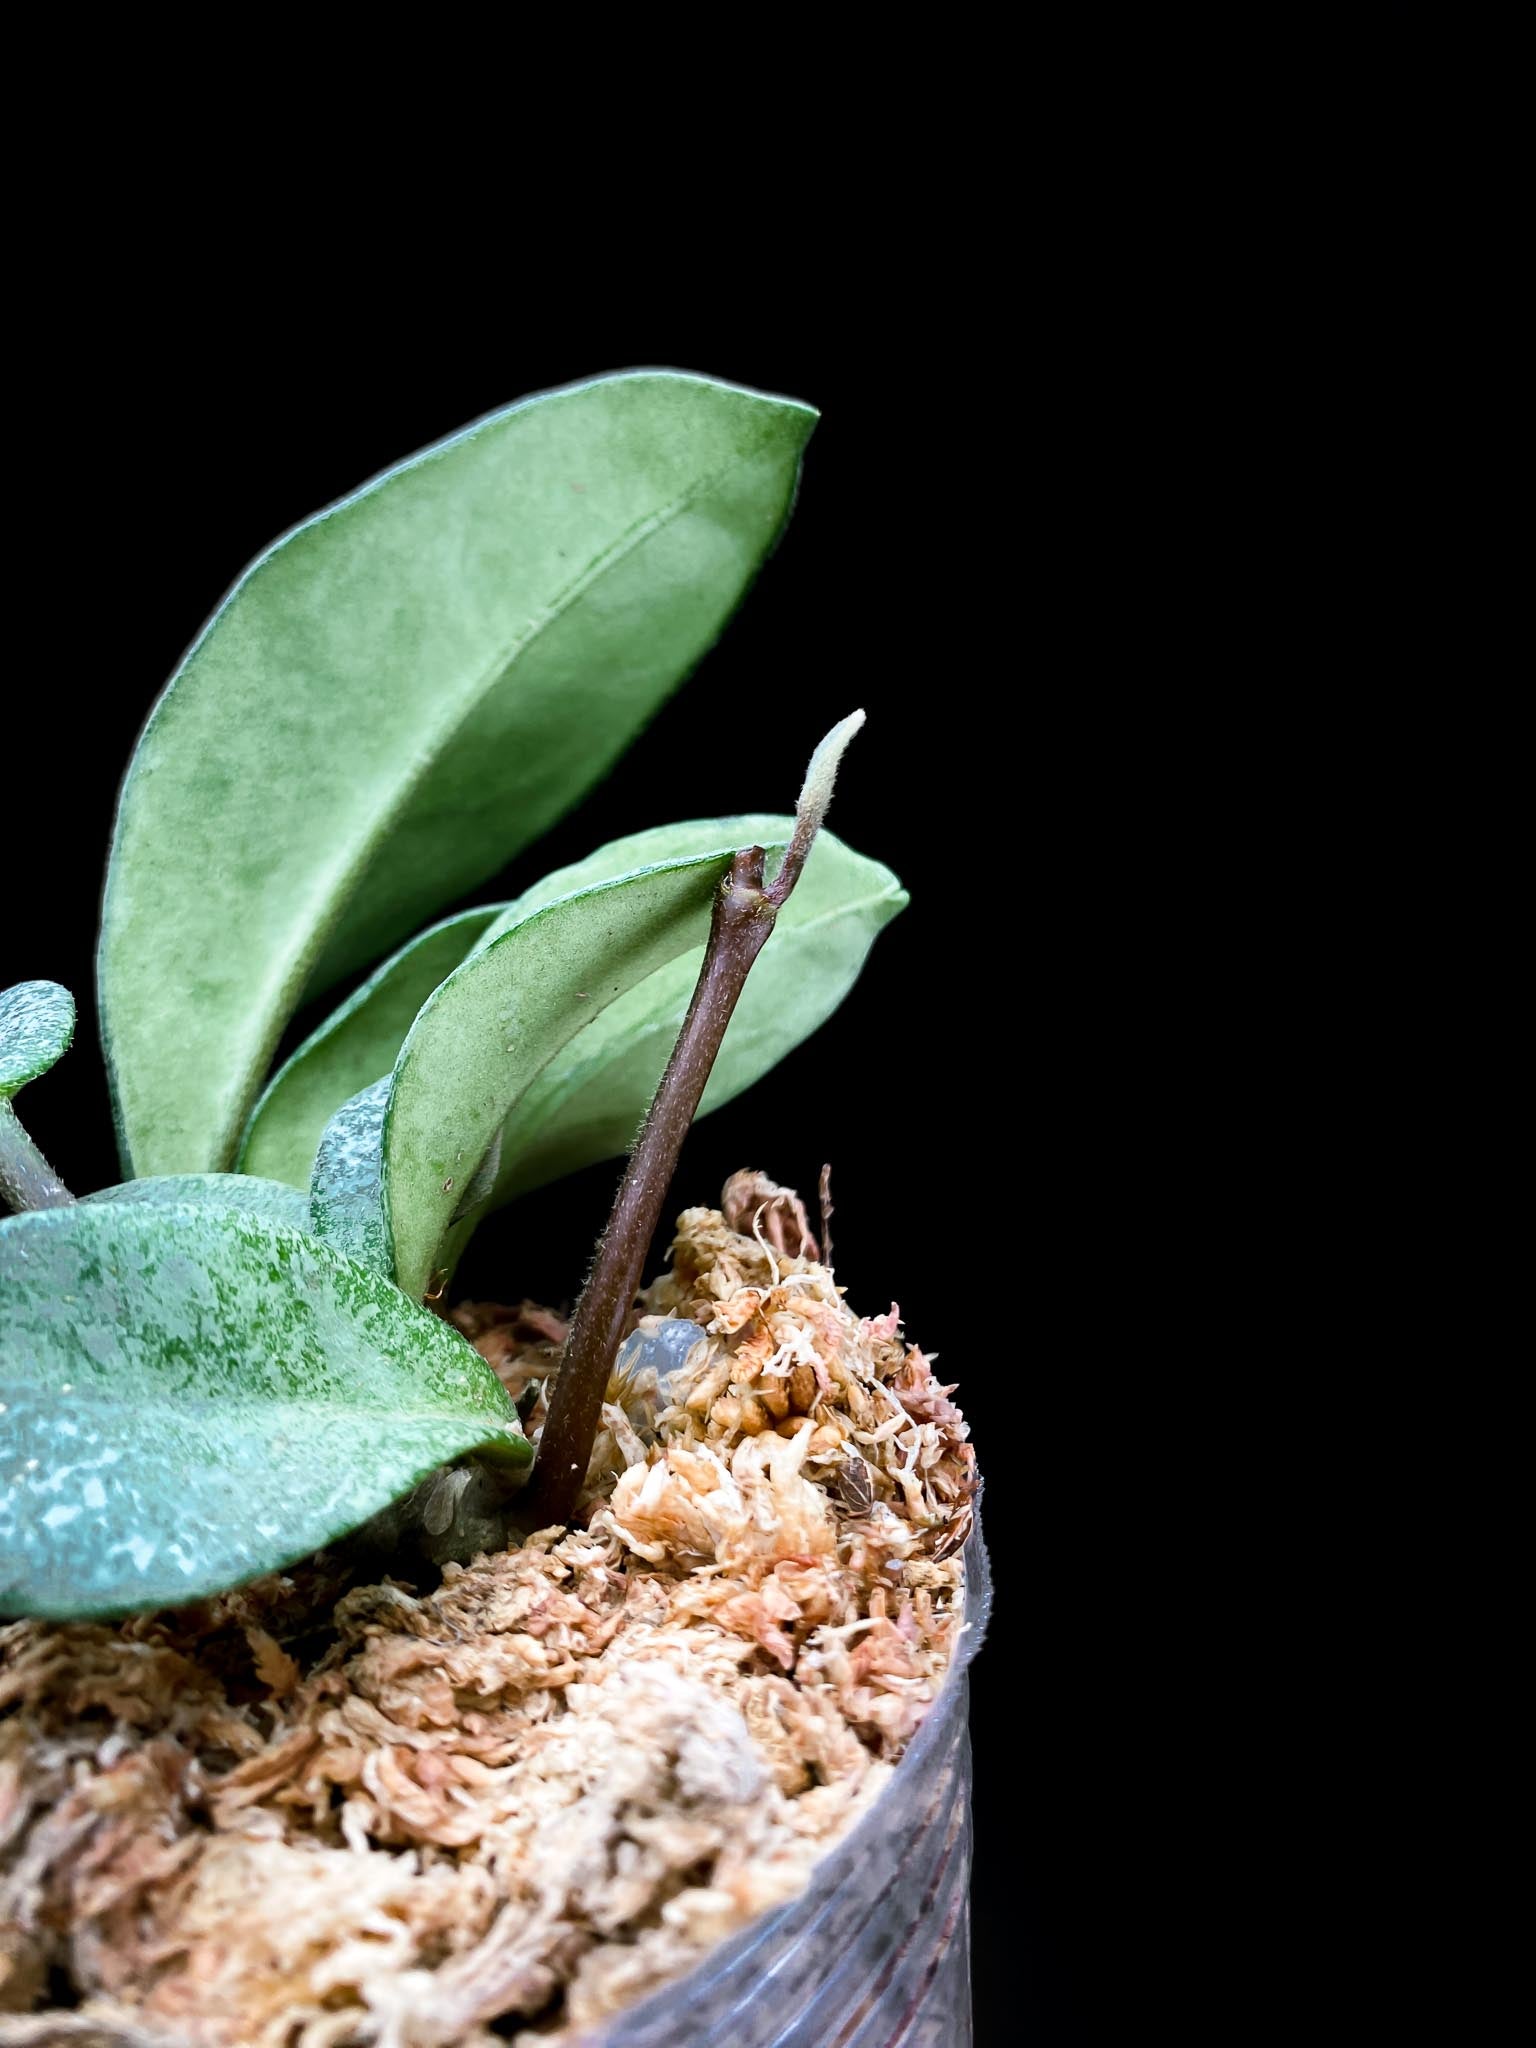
[745,909]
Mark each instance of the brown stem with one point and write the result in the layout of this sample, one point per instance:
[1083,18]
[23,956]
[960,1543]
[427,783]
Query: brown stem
[743,917]
[27,1181]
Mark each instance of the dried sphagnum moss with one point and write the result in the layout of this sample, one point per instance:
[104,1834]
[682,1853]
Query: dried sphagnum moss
[557,1781]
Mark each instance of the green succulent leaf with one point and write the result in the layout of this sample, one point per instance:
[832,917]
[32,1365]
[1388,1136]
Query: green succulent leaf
[213,1191]
[689,839]
[395,698]
[593,1000]
[192,1396]
[346,1196]
[356,1043]
[362,1038]
[37,1024]
[586,1103]
[482,1037]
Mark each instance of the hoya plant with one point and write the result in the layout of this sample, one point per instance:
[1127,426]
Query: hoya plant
[232,1358]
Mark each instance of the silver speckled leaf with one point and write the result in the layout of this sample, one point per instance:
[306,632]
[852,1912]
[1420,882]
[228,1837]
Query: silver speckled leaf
[37,1022]
[189,1397]
[214,1190]
[346,1193]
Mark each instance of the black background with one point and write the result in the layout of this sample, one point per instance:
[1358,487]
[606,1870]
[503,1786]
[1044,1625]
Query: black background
[965,1093]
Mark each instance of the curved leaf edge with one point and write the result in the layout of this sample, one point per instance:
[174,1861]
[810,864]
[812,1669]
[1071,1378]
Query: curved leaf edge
[511,1188]
[484,915]
[475,963]
[303,968]
[58,1021]
[503,1445]
[250,1193]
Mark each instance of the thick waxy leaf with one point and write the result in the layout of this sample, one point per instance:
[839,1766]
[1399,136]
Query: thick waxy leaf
[395,698]
[214,1191]
[690,839]
[346,1196]
[355,1044]
[587,1102]
[594,1014]
[488,1030]
[37,1023]
[362,1039]
[189,1397]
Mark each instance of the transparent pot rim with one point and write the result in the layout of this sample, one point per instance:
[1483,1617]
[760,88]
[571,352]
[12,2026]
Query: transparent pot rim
[831,1871]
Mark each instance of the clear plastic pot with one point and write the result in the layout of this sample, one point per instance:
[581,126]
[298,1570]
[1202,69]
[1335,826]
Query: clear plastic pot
[875,1953]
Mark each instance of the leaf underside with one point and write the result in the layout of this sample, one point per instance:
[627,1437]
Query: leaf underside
[430,673]
[195,1396]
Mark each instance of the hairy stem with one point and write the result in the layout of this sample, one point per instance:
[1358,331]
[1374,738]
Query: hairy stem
[27,1181]
[744,913]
